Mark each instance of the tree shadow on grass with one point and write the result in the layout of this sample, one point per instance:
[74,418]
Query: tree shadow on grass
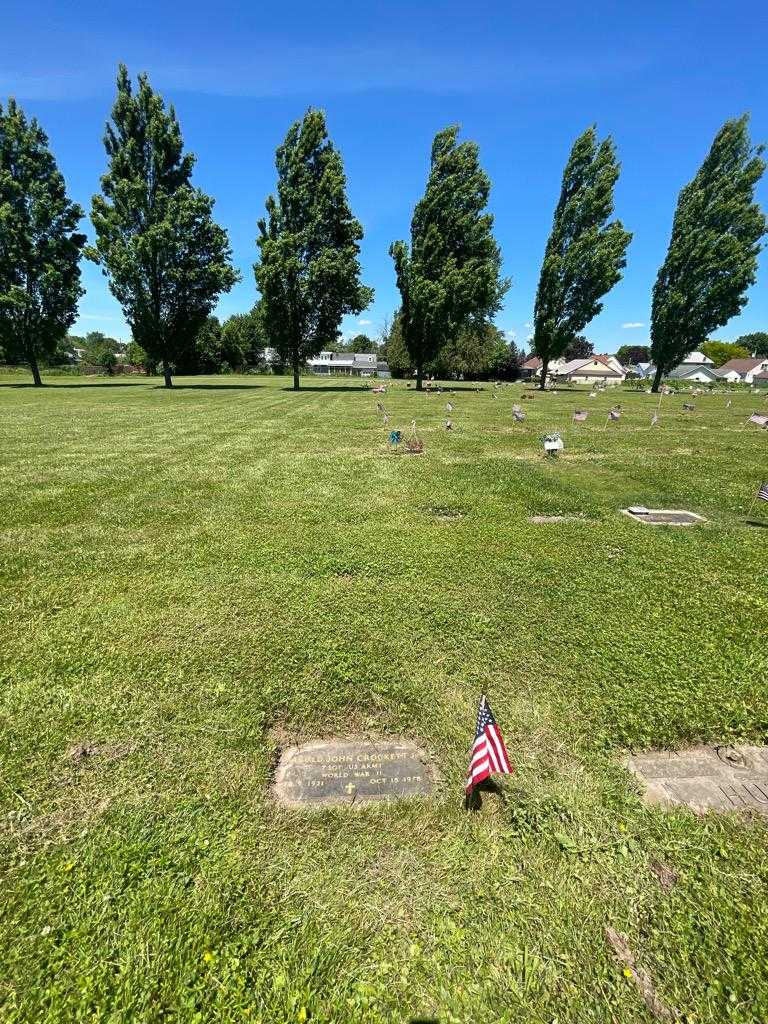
[761,524]
[105,384]
[144,384]
[354,389]
[209,387]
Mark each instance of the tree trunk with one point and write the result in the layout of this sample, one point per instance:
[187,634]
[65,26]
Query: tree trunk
[167,375]
[657,380]
[296,374]
[419,376]
[35,369]
[544,368]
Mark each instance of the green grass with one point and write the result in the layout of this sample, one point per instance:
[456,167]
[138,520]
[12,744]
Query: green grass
[190,578]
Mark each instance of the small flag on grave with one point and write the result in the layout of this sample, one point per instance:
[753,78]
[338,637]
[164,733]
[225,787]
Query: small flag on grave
[579,416]
[448,425]
[728,404]
[489,755]
[379,407]
[448,407]
[654,419]
[761,495]
[615,413]
[414,444]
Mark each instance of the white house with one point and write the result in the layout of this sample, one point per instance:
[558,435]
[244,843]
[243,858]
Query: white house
[697,358]
[742,371]
[593,369]
[698,372]
[644,370]
[351,364]
[532,367]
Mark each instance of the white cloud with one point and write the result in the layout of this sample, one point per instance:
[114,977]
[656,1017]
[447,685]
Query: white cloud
[528,326]
[365,323]
[511,334]
[631,326]
[529,338]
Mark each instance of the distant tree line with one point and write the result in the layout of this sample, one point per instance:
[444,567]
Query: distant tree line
[167,261]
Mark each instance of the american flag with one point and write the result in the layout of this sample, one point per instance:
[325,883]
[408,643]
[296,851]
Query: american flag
[762,493]
[489,755]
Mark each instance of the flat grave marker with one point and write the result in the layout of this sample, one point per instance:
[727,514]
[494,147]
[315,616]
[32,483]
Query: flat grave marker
[662,516]
[326,773]
[706,778]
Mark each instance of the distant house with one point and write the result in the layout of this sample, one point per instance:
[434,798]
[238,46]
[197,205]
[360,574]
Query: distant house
[697,358]
[742,371]
[532,367]
[350,364]
[616,364]
[695,367]
[760,380]
[698,372]
[592,370]
[644,370]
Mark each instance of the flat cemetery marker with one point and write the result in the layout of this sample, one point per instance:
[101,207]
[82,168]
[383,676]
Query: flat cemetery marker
[335,772]
[705,778]
[662,516]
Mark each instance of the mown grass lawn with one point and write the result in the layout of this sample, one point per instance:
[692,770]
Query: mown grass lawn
[191,578]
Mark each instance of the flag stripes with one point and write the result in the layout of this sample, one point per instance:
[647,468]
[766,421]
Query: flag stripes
[489,755]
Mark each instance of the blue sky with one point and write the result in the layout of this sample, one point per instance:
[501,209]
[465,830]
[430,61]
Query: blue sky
[521,79]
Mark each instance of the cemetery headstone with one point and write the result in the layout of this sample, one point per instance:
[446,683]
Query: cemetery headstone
[718,778]
[351,771]
[662,516]
[553,443]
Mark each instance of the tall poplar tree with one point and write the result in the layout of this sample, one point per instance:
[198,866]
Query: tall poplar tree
[39,244]
[450,276]
[712,255]
[166,259]
[309,272]
[585,254]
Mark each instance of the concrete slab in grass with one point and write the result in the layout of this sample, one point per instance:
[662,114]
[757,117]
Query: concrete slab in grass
[706,778]
[663,516]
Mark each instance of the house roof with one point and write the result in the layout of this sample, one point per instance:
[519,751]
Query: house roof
[689,370]
[761,376]
[610,359]
[741,365]
[698,358]
[584,367]
[533,363]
